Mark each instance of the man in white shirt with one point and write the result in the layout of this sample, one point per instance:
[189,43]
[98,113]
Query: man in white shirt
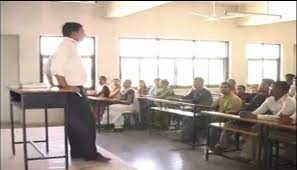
[279,104]
[47,71]
[291,80]
[67,67]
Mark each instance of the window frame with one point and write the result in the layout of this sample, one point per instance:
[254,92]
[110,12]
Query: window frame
[174,85]
[92,57]
[262,59]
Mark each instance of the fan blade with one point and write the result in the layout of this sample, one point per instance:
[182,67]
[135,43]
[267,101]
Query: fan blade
[201,15]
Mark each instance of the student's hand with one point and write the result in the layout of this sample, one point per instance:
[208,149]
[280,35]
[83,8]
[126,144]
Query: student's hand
[245,114]
[283,119]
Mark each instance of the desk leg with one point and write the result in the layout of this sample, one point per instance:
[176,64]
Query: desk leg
[25,139]
[194,131]
[12,129]
[107,115]
[46,129]
[66,136]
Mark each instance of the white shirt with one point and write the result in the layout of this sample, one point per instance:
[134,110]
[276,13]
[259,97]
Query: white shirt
[47,66]
[66,62]
[100,87]
[292,90]
[286,105]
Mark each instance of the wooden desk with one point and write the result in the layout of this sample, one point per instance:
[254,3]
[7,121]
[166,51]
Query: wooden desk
[104,100]
[38,99]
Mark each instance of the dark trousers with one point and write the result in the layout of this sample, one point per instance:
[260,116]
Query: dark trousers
[81,126]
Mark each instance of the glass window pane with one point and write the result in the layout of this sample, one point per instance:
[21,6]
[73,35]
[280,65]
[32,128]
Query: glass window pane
[130,70]
[166,70]
[87,63]
[86,47]
[138,47]
[255,72]
[201,69]
[48,45]
[176,48]
[211,49]
[254,51]
[270,69]
[184,72]
[148,70]
[271,51]
[216,72]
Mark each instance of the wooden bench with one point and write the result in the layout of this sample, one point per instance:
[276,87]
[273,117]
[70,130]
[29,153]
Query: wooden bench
[182,113]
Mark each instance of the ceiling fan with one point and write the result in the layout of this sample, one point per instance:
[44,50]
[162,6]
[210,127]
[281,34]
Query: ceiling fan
[215,17]
[231,14]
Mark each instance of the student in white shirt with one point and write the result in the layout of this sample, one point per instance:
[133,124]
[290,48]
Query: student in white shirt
[279,104]
[67,67]
[291,80]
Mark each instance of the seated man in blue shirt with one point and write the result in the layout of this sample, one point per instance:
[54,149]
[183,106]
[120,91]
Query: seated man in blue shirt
[198,95]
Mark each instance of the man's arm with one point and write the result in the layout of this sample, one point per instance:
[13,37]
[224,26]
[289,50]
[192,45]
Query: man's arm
[50,80]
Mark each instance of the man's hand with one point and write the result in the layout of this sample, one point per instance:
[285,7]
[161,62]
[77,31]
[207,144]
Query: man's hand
[245,114]
[72,88]
[285,119]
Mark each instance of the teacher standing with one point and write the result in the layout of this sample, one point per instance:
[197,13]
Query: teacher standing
[67,67]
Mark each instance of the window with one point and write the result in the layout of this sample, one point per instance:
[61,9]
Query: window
[179,61]
[263,62]
[86,48]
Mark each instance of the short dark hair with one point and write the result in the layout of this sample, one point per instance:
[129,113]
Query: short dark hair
[232,80]
[290,76]
[269,82]
[199,79]
[242,86]
[70,27]
[282,85]
[116,79]
[103,78]
[226,83]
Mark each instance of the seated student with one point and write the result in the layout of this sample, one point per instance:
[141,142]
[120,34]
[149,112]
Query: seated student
[229,103]
[164,90]
[125,103]
[163,93]
[154,89]
[142,89]
[260,97]
[103,90]
[240,91]
[291,80]
[279,104]
[232,83]
[198,95]
[115,91]
[254,88]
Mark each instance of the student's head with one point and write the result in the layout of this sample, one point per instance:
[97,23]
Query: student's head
[127,83]
[255,88]
[290,78]
[225,88]
[164,83]
[73,30]
[198,83]
[116,82]
[240,89]
[142,83]
[102,80]
[232,82]
[157,81]
[265,85]
[279,89]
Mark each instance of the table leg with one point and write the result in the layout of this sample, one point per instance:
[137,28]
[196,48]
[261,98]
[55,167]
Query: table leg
[107,115]
[46,130]
[194,131]
[66,136]
[12,129]
[25,139]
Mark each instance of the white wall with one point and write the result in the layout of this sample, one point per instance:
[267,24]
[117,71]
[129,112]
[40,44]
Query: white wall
[31,19]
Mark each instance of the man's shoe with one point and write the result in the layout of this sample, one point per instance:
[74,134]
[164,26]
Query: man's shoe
[98,158]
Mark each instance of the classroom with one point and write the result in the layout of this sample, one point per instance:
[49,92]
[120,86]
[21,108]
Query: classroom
[148,85]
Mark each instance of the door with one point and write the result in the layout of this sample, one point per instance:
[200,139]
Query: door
[9,71]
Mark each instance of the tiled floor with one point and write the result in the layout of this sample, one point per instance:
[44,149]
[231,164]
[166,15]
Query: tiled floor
[9,162]
[128,150]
